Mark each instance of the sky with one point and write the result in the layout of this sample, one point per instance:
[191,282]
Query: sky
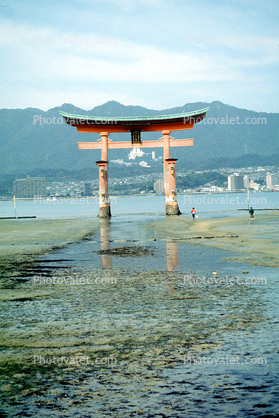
[153,53]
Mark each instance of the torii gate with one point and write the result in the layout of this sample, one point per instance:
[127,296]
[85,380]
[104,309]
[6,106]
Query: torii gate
[164,123]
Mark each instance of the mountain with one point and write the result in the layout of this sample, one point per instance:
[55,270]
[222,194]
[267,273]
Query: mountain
[32,140]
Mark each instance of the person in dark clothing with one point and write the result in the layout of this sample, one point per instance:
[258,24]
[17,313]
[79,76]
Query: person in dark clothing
[251,212]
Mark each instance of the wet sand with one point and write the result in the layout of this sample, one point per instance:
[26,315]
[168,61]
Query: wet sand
[129,330]
[122,342]
[255,241]
[23,241]
[22,237]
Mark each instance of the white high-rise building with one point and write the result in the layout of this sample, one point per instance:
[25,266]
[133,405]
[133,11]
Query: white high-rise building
[29,187]
[246,182]
[136,152]
[158,186]
[236,182]
[271,180]
[87,188]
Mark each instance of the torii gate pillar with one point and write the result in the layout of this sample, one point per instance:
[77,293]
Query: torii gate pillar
[104,203]
[171,201]
[169,177]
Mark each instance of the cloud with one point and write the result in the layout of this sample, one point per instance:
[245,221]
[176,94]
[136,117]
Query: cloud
[136,52]
[49,55]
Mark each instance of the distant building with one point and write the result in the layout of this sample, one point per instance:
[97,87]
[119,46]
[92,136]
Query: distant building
[255,186]
[121,162]
[246,182]
[144,164]
[29,187]
[271,180]
[236,182]
[136,152]
[87,188]
[158,186]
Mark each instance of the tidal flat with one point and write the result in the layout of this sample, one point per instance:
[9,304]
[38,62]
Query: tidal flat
[123,339]
[23,241]
[255,242]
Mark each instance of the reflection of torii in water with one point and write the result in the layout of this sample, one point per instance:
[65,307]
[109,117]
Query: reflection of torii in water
[172,255]
[172,262]
[136,125]
[105,241]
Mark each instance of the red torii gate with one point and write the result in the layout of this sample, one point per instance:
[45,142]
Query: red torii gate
[164,123]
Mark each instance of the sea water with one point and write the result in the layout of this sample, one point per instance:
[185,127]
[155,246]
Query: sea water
[207,205]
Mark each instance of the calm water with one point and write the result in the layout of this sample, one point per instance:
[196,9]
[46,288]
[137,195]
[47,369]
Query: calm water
[214,205]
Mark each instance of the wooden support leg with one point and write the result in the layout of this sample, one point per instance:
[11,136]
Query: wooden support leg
[169,177]
[104,203]
[171,200]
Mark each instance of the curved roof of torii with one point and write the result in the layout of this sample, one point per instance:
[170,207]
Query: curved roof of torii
[174,122]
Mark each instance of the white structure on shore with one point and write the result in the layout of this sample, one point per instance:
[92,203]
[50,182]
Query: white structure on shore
[144,164]
[29,187]
[271,180]
[236,182]
[136,152]
[158,186]
[87,188]
[254,185]
[246,182]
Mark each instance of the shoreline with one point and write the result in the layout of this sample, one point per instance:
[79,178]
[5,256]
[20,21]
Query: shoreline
[257,241]
[38,198]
